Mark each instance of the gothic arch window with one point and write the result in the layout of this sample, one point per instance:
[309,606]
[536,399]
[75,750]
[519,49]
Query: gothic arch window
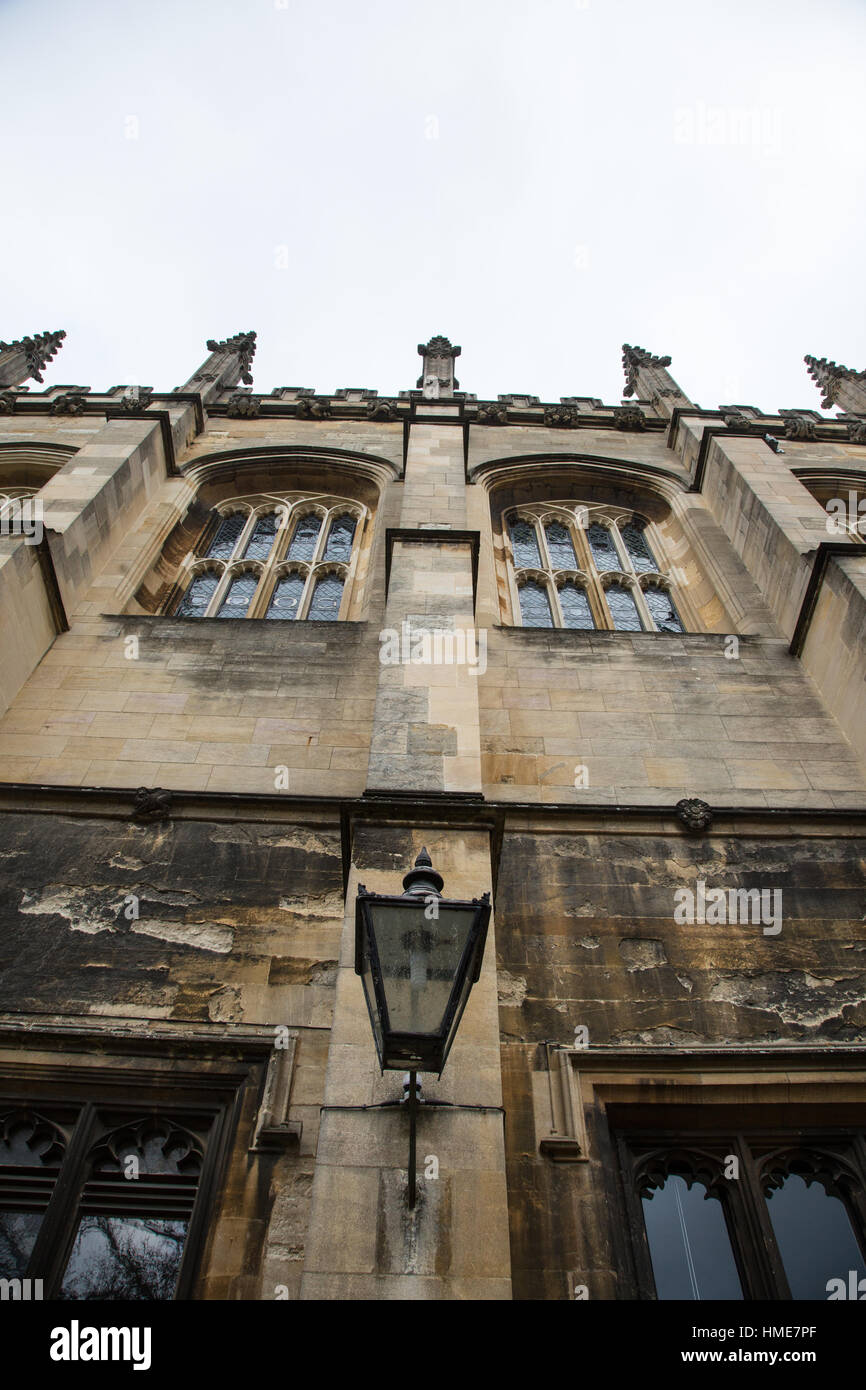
[750,1215]
[588,567]
[281,558]
[99,1203]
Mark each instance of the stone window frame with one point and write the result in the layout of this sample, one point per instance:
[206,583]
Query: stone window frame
[585,574]
[671,1098]
[277,564]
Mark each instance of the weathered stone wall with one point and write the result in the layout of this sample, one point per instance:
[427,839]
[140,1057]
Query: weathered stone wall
[586,937]
[238,925]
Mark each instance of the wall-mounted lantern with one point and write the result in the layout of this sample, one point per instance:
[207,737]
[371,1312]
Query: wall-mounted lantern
[418,955]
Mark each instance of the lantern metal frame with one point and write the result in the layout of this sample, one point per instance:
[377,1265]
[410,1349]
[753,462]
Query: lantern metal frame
[414,1052]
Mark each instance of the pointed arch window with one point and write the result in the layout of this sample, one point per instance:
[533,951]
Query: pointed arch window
[289,558]
[792,1225]
[587,567]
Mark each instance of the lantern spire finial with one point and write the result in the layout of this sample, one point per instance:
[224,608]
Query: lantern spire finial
[423,880]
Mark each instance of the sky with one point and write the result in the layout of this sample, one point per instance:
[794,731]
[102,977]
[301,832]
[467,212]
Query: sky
[539,180]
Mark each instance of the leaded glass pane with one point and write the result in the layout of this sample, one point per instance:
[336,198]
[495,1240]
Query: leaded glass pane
[286,597]
[535,605]
[576,611]
[226,537]
[660,605]
[689,1243]
[524,543]
[124,1257]
[814,1236]
[623,609]
[638,550]
[304,540]
[325,606]
[340,537]
[262,538]
[559,546]
[197,596]
[239,596]
[603,549]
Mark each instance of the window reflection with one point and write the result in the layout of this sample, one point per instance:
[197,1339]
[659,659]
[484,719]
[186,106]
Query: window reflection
[304,540]
[286,597]
[239,596]
[623,609]
[689,1243]
[263,535]
[227,536]
[327,595]
[576,612]
[124,1257]
[197,596]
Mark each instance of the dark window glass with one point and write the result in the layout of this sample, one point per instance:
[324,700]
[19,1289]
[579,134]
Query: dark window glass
[340,537]
[304,540]
[524,543]
[623,609]
[638,550]
[576,611]
[197,596]
[227,537]
[689,1243]
[535,605]
[237,600]
[286,597]
[262,538]
[660,605]
[325,605]
[124,1257]
[559,546]
[814,1236]
[603,549]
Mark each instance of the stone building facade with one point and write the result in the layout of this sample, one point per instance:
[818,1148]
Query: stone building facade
[605,663]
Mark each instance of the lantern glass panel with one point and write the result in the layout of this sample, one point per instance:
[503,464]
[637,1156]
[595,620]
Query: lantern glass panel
[419,958]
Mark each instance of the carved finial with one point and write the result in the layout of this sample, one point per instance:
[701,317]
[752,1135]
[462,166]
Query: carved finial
[32,356]
[243,345]
[829,376]
[437,377]
[632,359]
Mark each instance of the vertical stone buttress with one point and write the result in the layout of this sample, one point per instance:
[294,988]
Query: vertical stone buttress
[364,1242]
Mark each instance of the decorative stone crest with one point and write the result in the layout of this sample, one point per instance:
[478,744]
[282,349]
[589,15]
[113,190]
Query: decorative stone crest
[243,345]
[828,376]
[634,358]
[629,417]
[695,814]
[857,429]
[736,420]
[312,409]
[151,804]
[242,406]
[70,403]
[7,402]
[798,425]
[382,410]
[560,416]
[493,414]
[138,401]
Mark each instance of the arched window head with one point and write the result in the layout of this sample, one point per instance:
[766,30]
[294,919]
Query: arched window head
[588,566]
[282,558]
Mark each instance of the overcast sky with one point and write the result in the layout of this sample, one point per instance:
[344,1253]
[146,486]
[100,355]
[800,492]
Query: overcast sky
[540,180]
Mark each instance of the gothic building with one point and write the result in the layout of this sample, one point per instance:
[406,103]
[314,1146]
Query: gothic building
[603,662]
